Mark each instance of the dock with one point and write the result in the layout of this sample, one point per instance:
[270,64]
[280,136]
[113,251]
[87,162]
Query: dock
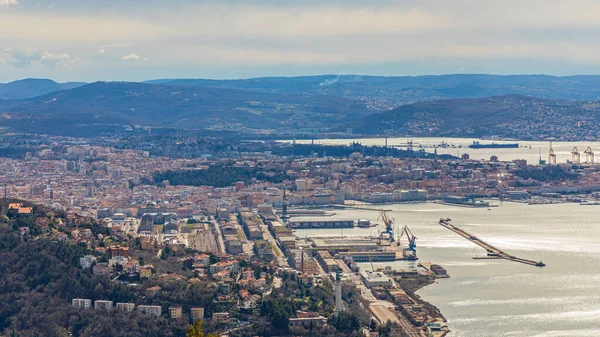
[492,252]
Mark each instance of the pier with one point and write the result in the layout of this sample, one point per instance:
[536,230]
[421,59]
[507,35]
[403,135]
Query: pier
[492,252]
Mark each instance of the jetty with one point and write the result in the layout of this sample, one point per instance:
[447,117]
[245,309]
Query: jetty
[492,252]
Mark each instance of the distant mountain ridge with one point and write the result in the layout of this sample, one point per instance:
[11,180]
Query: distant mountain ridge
[115,105]
[522,106]
[509,116]
[394,91]
[32,87]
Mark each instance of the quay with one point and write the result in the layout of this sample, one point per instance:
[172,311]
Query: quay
[492,252]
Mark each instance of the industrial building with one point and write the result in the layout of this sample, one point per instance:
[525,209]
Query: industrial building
[345,243]
[375,279]
[301,224]
[374,256]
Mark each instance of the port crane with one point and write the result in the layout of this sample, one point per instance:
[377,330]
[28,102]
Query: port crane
[389,224]
[412,244]
[575,155]
[551,156]
[589,155]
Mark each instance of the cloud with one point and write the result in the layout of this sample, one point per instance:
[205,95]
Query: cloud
[8,2]
[310,36]
[103,49]
[29,57]
[131,57]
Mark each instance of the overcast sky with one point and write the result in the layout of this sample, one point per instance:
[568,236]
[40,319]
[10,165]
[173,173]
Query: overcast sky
[91,40]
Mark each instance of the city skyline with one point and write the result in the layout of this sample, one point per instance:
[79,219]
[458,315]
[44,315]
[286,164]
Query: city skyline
[85,41]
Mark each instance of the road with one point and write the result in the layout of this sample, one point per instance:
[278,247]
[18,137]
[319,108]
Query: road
[279,256]
[219,237]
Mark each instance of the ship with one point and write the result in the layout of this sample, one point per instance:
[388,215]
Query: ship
[477,145]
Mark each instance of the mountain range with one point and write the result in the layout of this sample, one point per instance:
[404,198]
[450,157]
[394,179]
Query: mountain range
[394,91]
[508,116]
[102,106]
[448,105]
[33,87]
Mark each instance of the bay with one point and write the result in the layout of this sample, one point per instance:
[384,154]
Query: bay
[498,297]
[528,150]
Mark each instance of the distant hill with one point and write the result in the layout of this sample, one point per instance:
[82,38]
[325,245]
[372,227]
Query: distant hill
[106,106]
[32,87]
[510,116]
[393,91]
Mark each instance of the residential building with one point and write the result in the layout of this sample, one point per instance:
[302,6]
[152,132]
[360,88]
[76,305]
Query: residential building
[82,303]
[145,272]
[175,312]
[154,310]
[196,314]
[103,305]
[87,261]
[126,307]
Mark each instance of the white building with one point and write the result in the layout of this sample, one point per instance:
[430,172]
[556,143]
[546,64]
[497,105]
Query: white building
[375,279]
[410,195]
[125,307]
[104,305]
[301,185]
[82,303]
[154,310]
[87,261]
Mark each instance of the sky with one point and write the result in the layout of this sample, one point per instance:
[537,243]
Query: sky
[133,40]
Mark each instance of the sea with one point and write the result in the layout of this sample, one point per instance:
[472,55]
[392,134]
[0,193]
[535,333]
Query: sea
[498,297]
[531,151]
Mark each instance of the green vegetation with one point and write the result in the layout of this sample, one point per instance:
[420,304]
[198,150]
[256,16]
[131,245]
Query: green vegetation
[38,280]
[546,173]
[39,277]
[197,330]
[218,176]
[306,150]
[345,322]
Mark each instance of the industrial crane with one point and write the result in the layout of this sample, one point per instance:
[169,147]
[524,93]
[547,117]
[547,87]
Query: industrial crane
[589,156]
[551,156]
[389,224]
[575,156]
[412,245]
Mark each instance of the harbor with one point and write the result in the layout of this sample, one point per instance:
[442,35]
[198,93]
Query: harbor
[492,295]
[492,252]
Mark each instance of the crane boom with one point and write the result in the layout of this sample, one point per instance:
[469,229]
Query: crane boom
[412,245]
[389,223]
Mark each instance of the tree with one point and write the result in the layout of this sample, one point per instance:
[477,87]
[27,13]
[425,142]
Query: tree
[281,319]
[197,330]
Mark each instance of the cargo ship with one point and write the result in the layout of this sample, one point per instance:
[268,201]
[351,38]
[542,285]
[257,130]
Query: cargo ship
[477,145]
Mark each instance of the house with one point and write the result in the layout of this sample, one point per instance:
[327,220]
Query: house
[117,261]
[221,317]
[18,209]
[132,267]
[101,269]
[230,266]
[153,291]
[308,319]
[145,272]
[117,250]
[87,261]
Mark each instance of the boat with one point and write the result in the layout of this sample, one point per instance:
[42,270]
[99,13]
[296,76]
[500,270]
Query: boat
[478,145]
